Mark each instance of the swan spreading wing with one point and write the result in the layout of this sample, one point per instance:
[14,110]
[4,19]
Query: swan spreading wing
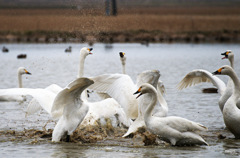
[66,96]
[120,87]
[198,76]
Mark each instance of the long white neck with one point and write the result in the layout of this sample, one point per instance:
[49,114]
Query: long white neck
[123,69]
[150,107]
[81,65]
[123,60]
[235,80]
[20,80]
[231,60]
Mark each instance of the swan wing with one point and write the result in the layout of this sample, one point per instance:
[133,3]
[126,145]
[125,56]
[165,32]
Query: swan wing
[69,95]
[44,97]
[34,106]
[121,88]
[182,124]
[198,76]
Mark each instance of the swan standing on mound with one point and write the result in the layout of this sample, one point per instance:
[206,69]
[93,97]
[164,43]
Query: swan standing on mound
[74,108]
[231,112]
[175,130]
[198,76]
[20,72]
[66,105]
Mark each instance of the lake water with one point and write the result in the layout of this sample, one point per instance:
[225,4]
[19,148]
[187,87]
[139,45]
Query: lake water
[49,64]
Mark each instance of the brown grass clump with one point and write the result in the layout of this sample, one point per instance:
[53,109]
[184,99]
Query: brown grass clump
[138,23]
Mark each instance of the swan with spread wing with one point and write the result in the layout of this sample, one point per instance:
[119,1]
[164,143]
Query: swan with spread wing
[198,76]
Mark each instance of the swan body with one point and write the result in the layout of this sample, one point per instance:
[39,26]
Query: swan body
[231,112]
[21,71]
[199,75]
[73,107]
[175,130]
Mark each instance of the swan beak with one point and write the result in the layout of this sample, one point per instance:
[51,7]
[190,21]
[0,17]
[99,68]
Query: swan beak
[138,91]
[121,54]
[90,49]
[27,72]
[217,72]
[225,55]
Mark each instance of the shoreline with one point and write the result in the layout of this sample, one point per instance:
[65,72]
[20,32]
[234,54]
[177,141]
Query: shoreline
[140,36]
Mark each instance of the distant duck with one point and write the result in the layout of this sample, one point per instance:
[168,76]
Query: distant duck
[68,50]
[22,56]
[4,49]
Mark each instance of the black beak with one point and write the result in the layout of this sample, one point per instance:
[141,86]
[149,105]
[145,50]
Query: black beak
[216,72]
[137,93]
[90,49]
[121,54]
[225,55]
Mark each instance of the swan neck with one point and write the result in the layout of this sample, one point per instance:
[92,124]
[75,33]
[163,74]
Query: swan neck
[150,107]
[81,66]
[20,80]
[232,62]
[123,69]
[235,80]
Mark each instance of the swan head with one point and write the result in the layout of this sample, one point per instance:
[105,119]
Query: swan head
[86,51]
[145,88]
[228,54]
[224,70]
[122,57]
[22,70]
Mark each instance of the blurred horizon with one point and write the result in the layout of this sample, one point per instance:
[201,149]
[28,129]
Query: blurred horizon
[82,4]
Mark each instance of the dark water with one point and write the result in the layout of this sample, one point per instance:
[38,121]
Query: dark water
[49,64]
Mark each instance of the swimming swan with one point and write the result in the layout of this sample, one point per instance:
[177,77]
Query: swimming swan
[198,76]
[231,112]
[20,72]
[175,130]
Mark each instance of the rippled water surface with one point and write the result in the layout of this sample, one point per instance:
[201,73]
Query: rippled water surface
[49,64]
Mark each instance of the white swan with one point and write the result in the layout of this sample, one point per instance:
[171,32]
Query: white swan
[231,112]
[176,130]
[18,98]
[73,107]
[66,105]
[139,122]
[198,76]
